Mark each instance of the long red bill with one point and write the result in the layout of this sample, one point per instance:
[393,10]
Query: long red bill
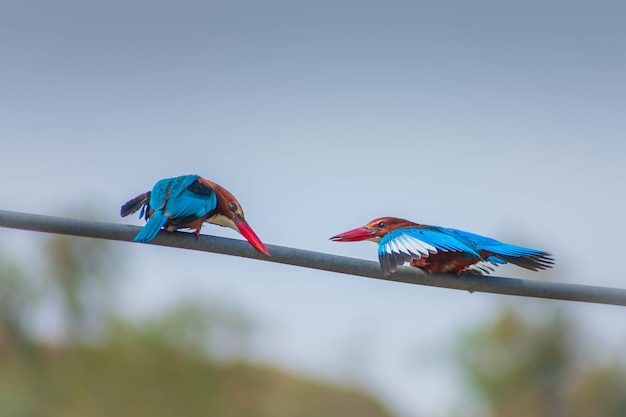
[355,235]
[247,232]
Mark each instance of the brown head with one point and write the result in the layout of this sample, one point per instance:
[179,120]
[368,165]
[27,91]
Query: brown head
[373,230]
[229,213]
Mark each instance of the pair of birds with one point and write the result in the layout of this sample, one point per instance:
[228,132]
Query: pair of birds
[188,201]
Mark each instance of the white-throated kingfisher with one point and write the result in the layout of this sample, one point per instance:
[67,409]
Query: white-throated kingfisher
[187,202]
[438,249]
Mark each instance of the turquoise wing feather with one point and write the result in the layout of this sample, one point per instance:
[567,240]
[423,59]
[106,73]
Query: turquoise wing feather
[172,198]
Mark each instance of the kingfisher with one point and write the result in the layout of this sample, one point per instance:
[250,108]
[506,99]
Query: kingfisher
[186,202]
[438,249]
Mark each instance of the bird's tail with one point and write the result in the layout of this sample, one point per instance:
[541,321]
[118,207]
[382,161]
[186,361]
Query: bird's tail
[523,257]
[151,229]
[139,202]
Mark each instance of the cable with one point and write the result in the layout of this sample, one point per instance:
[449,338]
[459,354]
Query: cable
[317,260]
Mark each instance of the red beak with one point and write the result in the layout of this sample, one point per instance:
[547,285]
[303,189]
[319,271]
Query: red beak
[356,235]
[247,232]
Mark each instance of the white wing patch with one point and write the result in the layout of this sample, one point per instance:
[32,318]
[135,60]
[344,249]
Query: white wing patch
[409,245]
[482,268]
[401,246]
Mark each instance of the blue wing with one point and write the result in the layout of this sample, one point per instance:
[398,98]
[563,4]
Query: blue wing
[499,253]
[402,245]
[175,199]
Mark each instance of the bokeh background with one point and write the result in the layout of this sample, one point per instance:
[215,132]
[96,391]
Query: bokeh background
[500,118]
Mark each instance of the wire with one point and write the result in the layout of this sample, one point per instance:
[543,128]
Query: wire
[317,260]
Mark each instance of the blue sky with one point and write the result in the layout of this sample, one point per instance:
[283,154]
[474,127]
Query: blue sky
[505,119]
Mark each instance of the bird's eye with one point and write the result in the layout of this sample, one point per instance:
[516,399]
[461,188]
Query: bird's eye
[382,225]
[232,206]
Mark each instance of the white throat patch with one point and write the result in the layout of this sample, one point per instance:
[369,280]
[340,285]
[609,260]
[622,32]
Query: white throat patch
[222,220]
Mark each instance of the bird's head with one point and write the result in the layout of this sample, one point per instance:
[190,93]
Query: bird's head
[373,231]
[230,214]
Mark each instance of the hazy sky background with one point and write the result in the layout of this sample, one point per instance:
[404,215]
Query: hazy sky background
[501,118]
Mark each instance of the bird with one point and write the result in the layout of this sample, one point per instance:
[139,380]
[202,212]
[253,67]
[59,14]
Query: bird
[438,249]
[186,202]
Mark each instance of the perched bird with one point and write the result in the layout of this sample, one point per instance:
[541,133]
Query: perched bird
[187,202]
[438,249]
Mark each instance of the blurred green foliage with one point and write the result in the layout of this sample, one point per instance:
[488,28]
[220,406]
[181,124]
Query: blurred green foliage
[535,368]
[106,365]
[81,272]
[187,361]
